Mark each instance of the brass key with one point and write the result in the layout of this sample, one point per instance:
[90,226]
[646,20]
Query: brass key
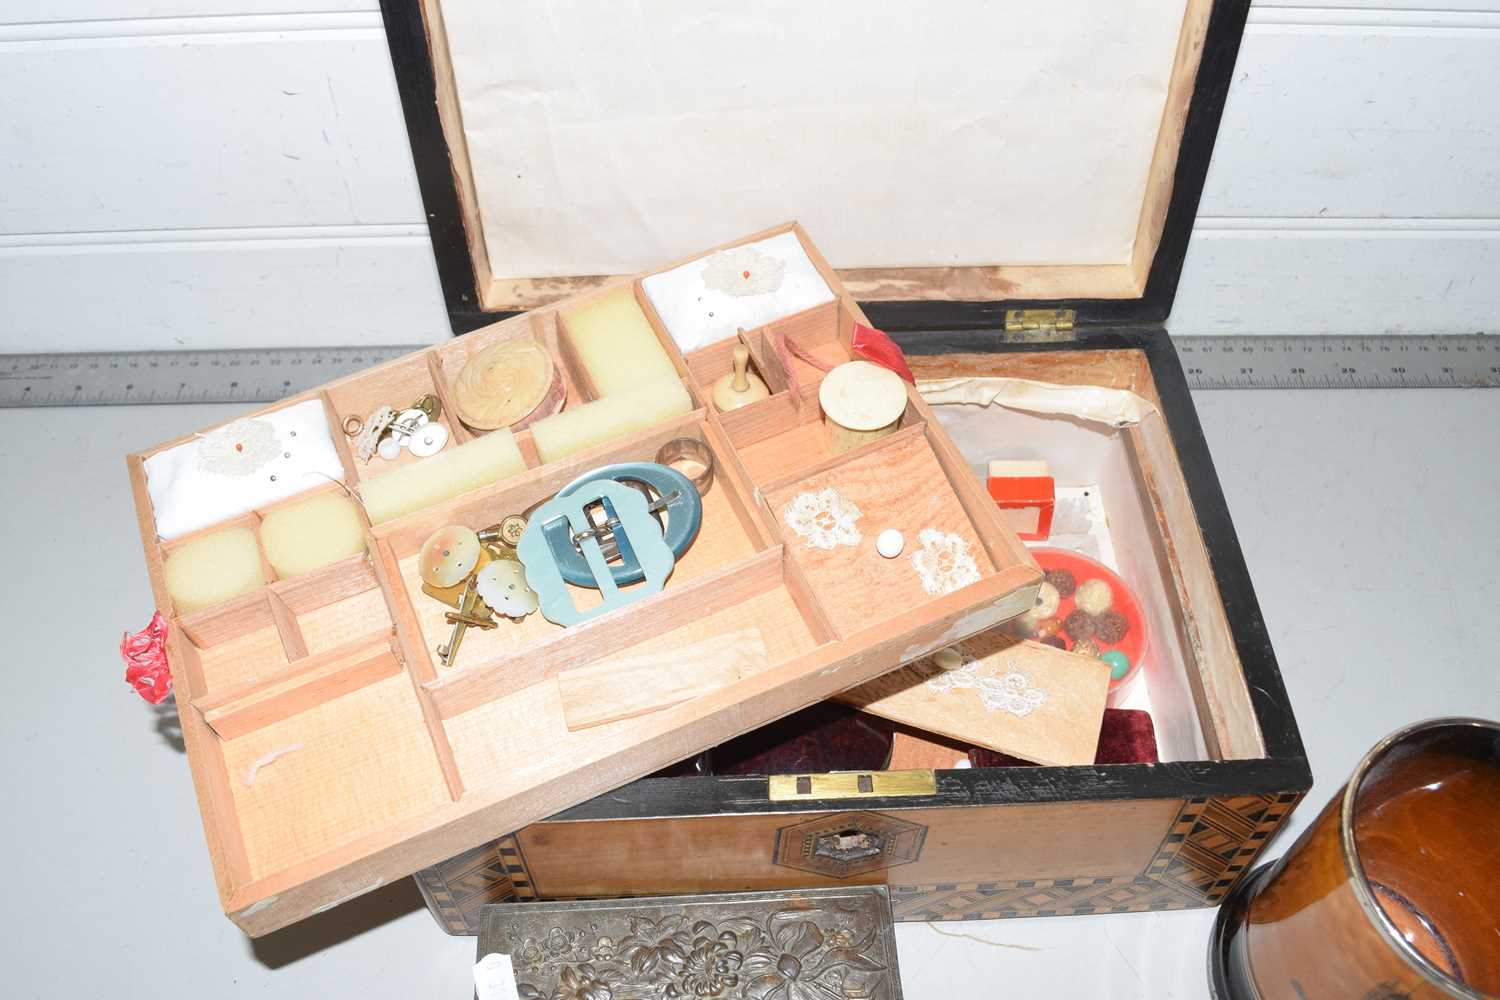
[467,602]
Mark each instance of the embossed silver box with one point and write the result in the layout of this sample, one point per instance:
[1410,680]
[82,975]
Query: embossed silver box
[824,943]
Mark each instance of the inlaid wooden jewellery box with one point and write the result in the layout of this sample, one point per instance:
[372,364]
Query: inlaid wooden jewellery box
[1006,189]
[370,687]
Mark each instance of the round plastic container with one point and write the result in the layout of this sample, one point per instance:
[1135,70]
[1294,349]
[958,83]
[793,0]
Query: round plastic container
[1133,644]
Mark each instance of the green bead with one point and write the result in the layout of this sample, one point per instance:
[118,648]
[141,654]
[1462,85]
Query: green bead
[1119,664]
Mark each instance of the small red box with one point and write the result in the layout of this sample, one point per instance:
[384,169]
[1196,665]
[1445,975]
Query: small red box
[1025,492]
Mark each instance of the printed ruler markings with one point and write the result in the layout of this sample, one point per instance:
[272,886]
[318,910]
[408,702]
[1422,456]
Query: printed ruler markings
[1390,362]
[262,376]
[246,376]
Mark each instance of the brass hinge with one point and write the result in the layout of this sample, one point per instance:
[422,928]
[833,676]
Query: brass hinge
[852,785]
[1038,326]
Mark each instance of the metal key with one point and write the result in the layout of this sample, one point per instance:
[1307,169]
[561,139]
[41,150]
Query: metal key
[466,607]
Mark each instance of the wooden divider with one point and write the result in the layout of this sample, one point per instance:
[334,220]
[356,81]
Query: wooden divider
[461,690]
[306,684]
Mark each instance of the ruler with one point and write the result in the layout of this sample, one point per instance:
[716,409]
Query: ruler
[262,376]
[112,379]
[1385,362]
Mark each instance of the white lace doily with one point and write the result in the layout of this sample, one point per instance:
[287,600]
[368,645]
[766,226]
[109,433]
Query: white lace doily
[239,448]
[824,520]
[944,562]
[743,271]
[1008,692]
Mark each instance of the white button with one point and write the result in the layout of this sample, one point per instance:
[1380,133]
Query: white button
[428,440]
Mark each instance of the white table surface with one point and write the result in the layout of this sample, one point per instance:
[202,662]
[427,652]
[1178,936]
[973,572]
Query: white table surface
[1368,520]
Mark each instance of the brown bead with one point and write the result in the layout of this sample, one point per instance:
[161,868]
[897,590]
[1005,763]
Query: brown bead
[1086,647]
[1079,625]
[1111,627]
[1063,580]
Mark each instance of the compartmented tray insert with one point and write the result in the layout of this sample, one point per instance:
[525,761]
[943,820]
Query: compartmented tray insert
[332,748]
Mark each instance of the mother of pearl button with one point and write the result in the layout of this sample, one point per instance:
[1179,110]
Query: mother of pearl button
[428,439]
[448,556]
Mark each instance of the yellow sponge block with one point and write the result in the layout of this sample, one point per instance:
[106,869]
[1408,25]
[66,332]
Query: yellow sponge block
[304,536]
[613,416]
[447,474]
[615,342]
[208,569]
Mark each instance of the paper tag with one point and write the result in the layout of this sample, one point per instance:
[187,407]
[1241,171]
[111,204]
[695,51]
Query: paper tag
[494,978]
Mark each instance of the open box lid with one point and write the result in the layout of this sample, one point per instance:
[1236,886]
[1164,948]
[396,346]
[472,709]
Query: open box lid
[955,162]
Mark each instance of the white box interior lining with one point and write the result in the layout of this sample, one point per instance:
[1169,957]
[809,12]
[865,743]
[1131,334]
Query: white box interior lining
[1087,452]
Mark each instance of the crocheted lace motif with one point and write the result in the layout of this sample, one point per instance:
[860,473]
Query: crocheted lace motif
[824,520]
[369,437]
[944,562]
[743,271]
[999,692]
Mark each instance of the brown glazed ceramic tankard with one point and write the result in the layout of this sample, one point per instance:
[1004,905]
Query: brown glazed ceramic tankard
[1393,892]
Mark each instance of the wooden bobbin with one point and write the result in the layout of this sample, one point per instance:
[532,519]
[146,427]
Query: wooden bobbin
[740,387]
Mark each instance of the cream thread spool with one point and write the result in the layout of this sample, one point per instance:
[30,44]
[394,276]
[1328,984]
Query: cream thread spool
[861,402]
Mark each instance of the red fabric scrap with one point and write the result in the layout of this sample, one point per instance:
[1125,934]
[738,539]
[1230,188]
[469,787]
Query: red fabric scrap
[877,348]
[145,656]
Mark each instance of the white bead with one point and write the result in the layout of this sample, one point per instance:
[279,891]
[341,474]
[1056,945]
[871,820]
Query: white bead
[388,449]
[890,543]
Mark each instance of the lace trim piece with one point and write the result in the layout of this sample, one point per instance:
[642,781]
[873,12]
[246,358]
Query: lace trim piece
[743,271]
[824,520]
[1008,692]
[944,562]
[239,448]
[369,437]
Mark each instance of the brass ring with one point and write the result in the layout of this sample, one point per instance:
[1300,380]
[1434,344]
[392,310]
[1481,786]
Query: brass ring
[687,449]
[353,425]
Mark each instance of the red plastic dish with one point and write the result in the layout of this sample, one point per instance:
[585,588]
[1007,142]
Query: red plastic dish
[1083,568]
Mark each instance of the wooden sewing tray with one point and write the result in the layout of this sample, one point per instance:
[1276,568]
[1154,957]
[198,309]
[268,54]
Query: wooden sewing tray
[402,762]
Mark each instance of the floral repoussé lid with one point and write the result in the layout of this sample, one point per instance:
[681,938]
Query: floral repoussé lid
[795,945]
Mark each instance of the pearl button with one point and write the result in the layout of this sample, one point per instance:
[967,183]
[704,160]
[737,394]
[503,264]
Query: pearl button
[428,439]
[890,543]
[448,556]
